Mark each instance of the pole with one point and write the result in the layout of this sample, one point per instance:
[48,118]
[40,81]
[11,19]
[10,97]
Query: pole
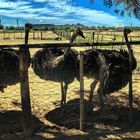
[81,92]
[93,37]
[24,86]
[41,35]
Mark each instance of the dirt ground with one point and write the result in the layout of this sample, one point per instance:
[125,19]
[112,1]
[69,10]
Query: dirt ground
[51,124]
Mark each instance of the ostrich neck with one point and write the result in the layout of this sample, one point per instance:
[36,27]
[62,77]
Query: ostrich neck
[26,37]
[131,56]
[73,38]
[128,45]
[26,42]
[71,41]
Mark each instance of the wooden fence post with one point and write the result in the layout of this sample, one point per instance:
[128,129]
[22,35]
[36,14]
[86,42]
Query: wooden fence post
[24,87]
[122,45]
[93,37]
[81,92]
[102,39]
[38,35]
[97,39]
[20,34]
[41,35]
[114,40]
[9,35]
[3,34]
[33,35]
[14,34]
[130,88]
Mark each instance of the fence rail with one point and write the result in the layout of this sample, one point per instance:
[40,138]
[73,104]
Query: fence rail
[49,45]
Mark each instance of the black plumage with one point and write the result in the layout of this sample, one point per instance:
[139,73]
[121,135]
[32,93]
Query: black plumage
[117,63]
[42,65]
[9,68]
[9,63]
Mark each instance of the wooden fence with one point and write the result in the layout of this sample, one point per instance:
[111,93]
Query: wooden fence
[15,35]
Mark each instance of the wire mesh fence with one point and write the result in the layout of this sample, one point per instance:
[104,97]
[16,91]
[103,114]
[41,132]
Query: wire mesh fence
[46,100]
[36,35]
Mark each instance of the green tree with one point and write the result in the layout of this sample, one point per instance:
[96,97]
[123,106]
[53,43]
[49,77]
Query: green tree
[1,26]
[9,27]
[128,7]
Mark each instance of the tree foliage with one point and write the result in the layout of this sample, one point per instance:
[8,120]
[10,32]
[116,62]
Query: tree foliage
[122,7]
[1,27]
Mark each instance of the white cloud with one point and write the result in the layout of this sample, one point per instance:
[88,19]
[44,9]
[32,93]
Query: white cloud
[12,5]
[56,11]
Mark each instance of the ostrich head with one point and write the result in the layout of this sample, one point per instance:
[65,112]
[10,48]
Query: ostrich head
[79,32]
[60,60]
[127,31]
[76,33]
[28,26]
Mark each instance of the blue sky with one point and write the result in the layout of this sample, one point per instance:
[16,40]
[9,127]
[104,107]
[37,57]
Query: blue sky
[61,12]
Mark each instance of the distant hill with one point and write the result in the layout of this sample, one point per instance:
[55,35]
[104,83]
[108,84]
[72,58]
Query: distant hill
[59,27]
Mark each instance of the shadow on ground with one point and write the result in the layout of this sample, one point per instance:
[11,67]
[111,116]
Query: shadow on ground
[11,122]
[11,128]
[115,120]
[98,126]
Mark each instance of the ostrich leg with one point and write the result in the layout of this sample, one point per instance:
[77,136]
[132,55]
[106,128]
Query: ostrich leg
[65,92]
[62,93]
[92,87]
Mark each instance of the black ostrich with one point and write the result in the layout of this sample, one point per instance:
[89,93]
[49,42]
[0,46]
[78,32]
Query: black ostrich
[45,65]
[110,68]
[9,64]
[58,38]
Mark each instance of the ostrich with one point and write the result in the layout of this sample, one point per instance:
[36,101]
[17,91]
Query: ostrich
[109,67]
[44,65]
[9,64]
[58,38]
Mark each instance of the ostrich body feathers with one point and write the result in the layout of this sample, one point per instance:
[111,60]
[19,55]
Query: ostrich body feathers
[43,67]
[9,68]
[118,70]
